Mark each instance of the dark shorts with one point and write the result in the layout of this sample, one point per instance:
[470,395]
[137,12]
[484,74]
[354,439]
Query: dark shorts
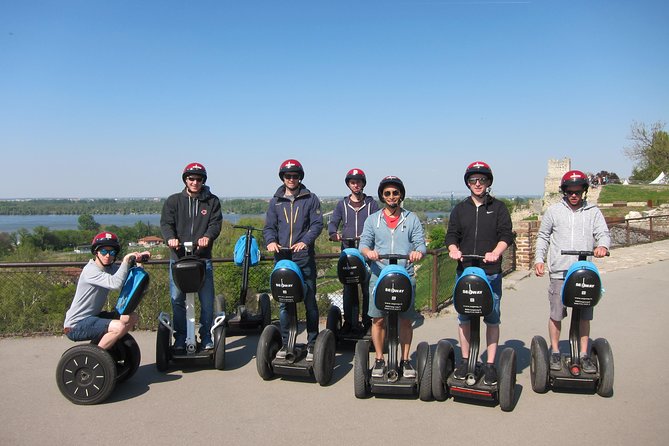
[92,328]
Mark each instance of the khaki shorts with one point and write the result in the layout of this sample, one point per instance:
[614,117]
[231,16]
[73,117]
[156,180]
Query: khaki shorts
[559,311]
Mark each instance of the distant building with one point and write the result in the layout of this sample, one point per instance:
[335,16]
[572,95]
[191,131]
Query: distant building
[150,241]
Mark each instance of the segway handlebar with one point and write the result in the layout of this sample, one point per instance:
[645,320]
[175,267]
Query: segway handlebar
[581,253]
[247,228]
[134,260]
[472,256]
[393,258]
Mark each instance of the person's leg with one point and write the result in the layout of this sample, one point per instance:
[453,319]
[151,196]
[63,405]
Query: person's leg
[348,307]
[406,336]
[310,305]
[366,320]
[116,329]
[178,300]
[493,320]
[206,295]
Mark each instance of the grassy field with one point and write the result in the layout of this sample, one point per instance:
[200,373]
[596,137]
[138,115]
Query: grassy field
[636,193]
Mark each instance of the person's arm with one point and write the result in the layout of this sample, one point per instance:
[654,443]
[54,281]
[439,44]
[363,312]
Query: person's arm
[335,220]
[271,228]
[601,234]
[168,219]
[315,224]
[541,246]
[214,225]
[366,245]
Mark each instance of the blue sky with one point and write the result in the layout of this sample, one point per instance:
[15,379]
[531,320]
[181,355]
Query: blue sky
[114,98]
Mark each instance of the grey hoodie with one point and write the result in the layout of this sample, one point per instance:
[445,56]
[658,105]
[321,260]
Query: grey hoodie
[582,229]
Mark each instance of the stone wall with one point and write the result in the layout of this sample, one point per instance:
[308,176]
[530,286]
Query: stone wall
[526,237]
[556,168]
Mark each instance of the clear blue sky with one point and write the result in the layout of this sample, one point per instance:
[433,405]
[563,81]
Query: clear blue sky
[114,98]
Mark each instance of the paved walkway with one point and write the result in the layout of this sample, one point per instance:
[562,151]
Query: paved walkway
[235,406]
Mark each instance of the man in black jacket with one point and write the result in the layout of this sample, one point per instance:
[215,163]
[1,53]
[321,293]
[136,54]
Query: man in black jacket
[480,225]
[192,215]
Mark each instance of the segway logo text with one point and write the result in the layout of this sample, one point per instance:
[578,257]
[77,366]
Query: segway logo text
[584,285]
[470,291]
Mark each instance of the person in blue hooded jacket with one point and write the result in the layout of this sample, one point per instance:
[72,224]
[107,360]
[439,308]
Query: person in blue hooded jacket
[294,221]
[392,230]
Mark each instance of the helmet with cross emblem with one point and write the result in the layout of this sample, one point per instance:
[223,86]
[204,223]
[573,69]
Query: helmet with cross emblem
[356,174]
[291,166]
[574,178]
[478,167]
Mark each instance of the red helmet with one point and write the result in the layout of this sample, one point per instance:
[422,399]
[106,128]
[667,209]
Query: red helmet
[478,167]
[574,178]
[194,169]
[356,174]
[105,239]
[291,166]
[395,181]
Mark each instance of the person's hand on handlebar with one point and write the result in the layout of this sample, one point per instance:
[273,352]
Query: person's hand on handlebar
[173,243]
[455,253]
[336,237]
[415,256]
[299,246]
[372,255]
[138,256]
[491,257]
[600,251]
[203,242]
[273,247]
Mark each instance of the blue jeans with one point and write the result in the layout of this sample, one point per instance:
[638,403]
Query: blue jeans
[206,295]
[308,267]
[494,317]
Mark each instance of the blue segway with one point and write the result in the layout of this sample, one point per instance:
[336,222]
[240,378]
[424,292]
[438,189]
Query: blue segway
[87,374]
[582,289]
[393,294]
[188,273]
[244,321]
[473,296]
[352,272]
[288,288]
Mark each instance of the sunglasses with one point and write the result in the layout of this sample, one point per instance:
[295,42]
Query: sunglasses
[111,252]
[573,192]
[195,179]
[394,193]
[478,180]
[291,176]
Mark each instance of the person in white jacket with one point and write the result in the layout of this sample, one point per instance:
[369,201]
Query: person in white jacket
[572,224]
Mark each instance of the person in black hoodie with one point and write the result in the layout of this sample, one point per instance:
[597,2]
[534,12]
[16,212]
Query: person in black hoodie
[294,221]
[480,225]
[192,215]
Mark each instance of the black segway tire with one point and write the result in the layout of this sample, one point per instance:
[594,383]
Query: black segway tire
[132,356]
[219,347]
[333,322]
[268,344]
[506,386]
[539,367]
[86,374]
[361,374]
[424,371]
[602,356]
[443,364]
[162,348]
[324,357]
[265,310]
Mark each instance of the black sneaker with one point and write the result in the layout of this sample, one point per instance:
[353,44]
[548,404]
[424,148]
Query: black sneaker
[310,353]
[407,369]
[556,361]
[461,370]
[346,328]
[587,366]
[490,375]
[379,368]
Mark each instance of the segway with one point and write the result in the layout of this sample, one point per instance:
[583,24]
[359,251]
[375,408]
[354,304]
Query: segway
[473,297]
[582,289]
[243,321]
[188,273]
[87,374]
[353,273]
[288,288]
[393,294]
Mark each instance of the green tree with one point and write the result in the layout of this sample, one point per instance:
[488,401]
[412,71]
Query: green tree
[87,223]
[649,149]
[437,236]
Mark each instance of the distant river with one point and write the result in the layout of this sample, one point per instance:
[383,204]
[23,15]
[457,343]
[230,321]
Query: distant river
[12,223]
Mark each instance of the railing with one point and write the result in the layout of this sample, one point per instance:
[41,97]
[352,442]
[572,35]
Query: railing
[633,231]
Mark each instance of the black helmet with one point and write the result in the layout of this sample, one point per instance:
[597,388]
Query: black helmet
[395,181]
[291,166]
[105,239]
[356,174]
[478,167]
[194,169]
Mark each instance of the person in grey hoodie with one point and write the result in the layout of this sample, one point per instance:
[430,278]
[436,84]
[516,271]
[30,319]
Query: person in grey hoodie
[572,224]
[392,230]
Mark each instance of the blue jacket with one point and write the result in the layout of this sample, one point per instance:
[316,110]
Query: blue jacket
[352,219]
[407,236]
[291,221]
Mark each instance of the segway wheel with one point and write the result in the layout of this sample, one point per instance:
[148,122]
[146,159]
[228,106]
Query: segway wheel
[602,356]
[162,348]
[333,322]
[324,357]
[86,374]
[219,347]
[506,390]
[424,372]
[539,364]
[361,369]
[132,356]
[268,344]
[443,364]
[265,310]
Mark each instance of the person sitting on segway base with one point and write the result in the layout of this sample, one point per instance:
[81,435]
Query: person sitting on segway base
[480,225]
[392,230]
[294,221]
[576,225]
[351,213]
[192,215]
[85,320]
